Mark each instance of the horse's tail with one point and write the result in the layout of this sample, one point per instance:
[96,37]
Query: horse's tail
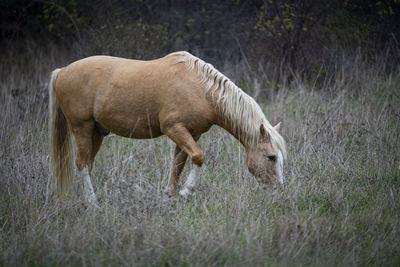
[60,140]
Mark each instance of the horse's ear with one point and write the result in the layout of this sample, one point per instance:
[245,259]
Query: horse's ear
[263,132]
[278,127]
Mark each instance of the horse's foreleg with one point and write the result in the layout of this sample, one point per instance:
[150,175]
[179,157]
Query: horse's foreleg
[187,189]
[177,167]
[186,142]
[182,137]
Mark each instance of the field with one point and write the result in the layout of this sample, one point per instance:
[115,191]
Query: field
[340,205]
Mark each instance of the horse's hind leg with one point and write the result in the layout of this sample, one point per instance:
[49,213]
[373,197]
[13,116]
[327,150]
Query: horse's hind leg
[97,140]
[88,141]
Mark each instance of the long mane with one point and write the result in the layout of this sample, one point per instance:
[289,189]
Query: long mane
[238,107]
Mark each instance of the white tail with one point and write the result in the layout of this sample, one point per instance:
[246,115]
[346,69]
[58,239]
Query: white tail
[60,140]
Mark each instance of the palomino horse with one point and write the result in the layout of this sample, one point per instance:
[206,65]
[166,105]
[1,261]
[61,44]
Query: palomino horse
[178,95]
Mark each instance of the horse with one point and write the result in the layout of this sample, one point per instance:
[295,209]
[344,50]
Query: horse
[178,95]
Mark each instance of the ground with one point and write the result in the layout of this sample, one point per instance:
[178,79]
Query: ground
[340,205]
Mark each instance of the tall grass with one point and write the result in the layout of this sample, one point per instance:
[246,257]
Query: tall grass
[340,206]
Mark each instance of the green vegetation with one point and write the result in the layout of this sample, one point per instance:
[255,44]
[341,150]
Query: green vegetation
[339,207]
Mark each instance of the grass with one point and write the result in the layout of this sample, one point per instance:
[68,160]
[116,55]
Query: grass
[339,207]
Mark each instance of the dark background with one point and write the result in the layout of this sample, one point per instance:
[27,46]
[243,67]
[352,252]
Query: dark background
[300,37]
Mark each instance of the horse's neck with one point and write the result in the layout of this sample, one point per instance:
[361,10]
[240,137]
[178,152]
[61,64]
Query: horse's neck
[224,122]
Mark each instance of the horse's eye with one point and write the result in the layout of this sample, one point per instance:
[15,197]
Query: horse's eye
[272,158]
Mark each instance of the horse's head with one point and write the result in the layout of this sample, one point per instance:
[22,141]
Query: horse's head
[264,160]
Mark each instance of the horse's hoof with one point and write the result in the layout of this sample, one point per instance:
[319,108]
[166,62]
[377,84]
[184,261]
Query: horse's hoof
[170,192]
[186,193]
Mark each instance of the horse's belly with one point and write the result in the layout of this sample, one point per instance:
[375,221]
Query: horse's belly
[138,133]
[134,121]
[136,127]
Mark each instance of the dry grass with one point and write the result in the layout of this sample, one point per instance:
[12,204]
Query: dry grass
[340,205]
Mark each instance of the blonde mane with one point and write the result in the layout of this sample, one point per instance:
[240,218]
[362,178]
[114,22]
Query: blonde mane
[239,108]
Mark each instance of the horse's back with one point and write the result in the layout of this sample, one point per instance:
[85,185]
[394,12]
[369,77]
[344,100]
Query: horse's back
[130,97]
